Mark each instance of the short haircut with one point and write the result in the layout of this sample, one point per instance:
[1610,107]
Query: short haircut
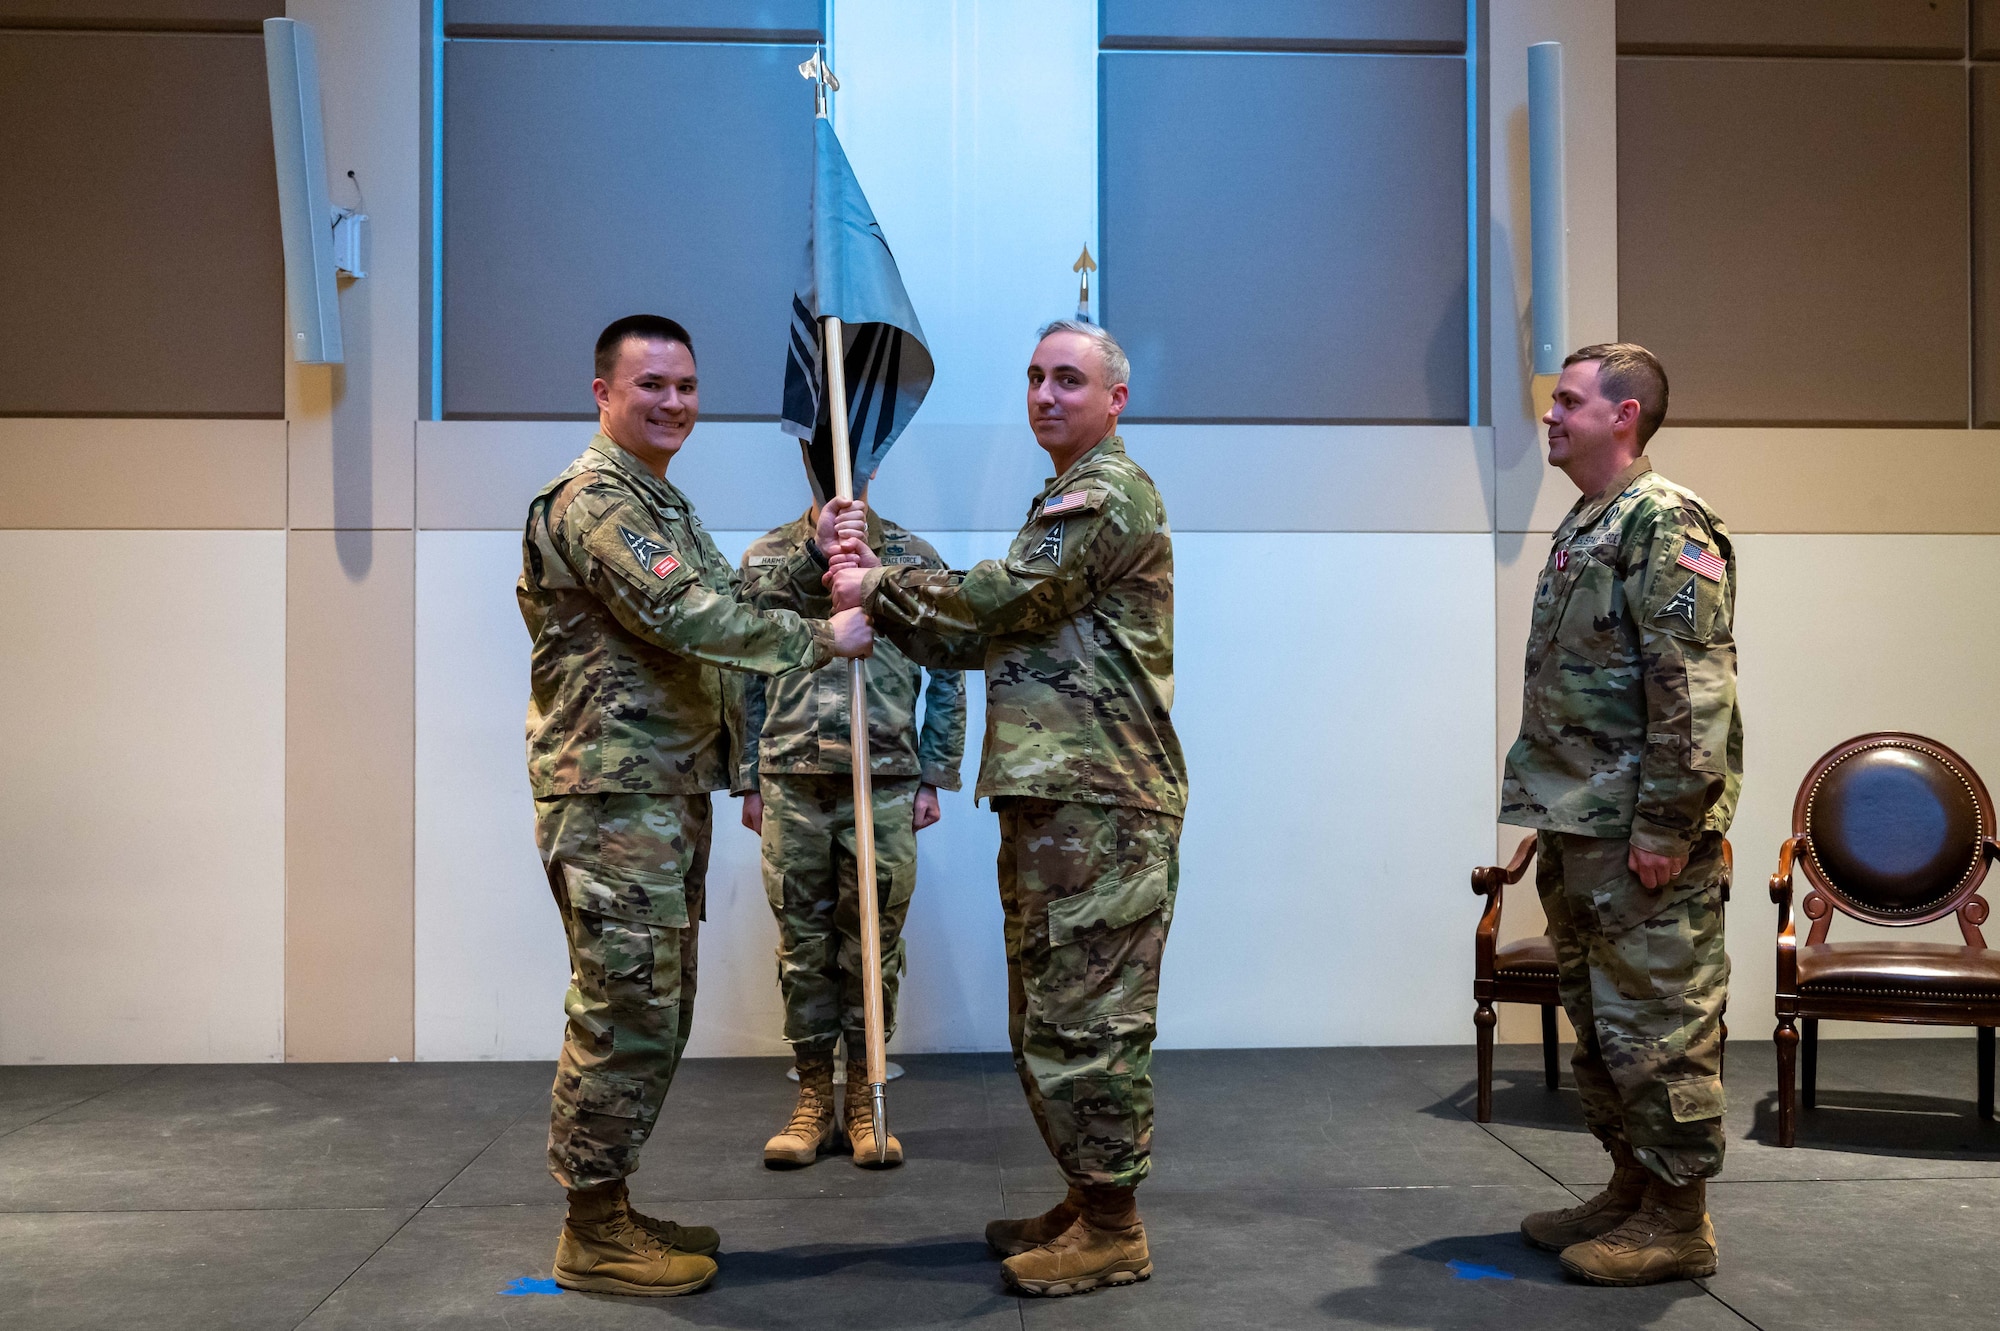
[651,327]
[1628,370]
[1117,366]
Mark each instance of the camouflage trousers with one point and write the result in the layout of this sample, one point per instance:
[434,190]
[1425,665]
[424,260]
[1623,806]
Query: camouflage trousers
[628,872]
[809,878]
[1644,979]
[1088,892]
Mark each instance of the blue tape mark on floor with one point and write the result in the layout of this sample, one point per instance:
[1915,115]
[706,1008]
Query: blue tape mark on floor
[1472,1271]
[531,1285]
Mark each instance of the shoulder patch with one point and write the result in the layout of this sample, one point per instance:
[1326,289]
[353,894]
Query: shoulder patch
[1681,608]
[1051,547]
[651,554]
[1703,562]
[1076,501]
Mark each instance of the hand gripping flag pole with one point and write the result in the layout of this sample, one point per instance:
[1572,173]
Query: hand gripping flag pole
[846,413]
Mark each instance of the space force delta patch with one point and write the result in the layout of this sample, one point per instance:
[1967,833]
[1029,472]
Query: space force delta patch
[659,560]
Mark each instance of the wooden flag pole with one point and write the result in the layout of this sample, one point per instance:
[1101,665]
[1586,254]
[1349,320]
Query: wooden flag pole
[864,783]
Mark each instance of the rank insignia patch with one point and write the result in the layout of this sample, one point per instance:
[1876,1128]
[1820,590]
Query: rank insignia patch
[1681,607]
[1068,503]
[1051,545]
[1702,562]
[649,552]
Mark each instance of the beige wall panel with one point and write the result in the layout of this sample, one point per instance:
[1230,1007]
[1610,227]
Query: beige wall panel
[142,833]
[349,679]
[352,451]
[1770,479]
[1838,635]
[190,474]
[479,475]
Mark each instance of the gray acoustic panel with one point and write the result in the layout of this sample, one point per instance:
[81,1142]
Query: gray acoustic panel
[141,15]
[1284,25]
[1792,27]
[1985,29]
[711,20]
[140,271]
[1792,237]
[588,180]
[1285,235]
[1986,246]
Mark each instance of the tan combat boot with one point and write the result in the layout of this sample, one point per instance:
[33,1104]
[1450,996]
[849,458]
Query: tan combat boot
[700,1240]
[602,1251]
[858,1120]
[810,1133]
[1008,1237]
[1105,1245]
[1669,1237]
[1552,1231]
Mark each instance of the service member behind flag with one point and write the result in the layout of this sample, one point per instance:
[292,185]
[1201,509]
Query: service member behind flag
[1074,629]
[1628,764]
[798,796]
[634,619]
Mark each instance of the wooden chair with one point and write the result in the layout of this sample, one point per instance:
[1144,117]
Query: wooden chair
[1892,829]
[1523,971]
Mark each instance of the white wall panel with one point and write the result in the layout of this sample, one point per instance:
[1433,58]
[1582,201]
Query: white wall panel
[972,126]
[142,903]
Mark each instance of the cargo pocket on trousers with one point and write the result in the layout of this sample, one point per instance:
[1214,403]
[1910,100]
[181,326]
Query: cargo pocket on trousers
[627,894]
[902,885]
[1105,946]
[611,1095]
[1693,1099]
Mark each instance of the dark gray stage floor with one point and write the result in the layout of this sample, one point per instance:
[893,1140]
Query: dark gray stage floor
[1293,1188]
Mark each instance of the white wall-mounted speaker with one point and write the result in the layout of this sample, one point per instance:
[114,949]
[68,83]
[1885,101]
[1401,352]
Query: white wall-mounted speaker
[1548,217]
[303,211]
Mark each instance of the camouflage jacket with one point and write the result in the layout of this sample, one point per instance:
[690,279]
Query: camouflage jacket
[1075,631]
[631,609]
[799,722]
[1629,723]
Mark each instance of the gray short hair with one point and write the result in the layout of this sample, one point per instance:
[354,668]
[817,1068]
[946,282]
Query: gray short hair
[1117,366]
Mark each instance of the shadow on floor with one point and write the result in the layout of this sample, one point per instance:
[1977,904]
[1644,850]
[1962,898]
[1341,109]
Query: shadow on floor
[1888,1124]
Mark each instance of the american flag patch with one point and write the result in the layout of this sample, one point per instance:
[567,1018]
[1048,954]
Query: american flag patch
[664,565]
[1704,563]
[1068,503]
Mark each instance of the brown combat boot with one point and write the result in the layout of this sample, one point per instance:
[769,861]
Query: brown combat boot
[1105,1245]
[858,1120]
[700,1240]
[602,1251]
[1669,1237]
[810,1132]
[1552,1231]
[1008,1237]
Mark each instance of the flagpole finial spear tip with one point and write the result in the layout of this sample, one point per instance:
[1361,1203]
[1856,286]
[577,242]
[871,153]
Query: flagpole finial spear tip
[822,73]
[1084,265]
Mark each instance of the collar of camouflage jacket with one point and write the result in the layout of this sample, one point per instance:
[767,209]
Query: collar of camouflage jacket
[658,486]
[1109,445]
[1590,509]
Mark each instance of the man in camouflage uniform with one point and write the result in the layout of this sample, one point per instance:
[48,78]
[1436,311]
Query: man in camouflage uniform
[796,779]
[632,610]
[1074,629]
[1629,762]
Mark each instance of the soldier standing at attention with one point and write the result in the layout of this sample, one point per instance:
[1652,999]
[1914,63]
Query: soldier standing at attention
[1628,764]
[1074,629]
[798,795]
[631,610]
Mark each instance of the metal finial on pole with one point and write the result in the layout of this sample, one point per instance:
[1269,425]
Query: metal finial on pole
[818,70]
[1084,265]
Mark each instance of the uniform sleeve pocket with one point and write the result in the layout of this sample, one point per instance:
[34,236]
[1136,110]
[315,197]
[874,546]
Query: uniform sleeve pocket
[609,1094]
[1109,905]
[642,556]
[1695,1098]
[627,894]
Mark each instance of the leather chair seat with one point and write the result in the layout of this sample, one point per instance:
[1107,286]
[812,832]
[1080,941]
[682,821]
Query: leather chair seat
[1527,956]
[1917,970]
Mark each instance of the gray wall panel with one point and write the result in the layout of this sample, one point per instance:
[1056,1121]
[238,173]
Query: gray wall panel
[1789,27]
[139,213]
[1792,237]
[589,180]
[791,20]
[1330,25]
[1310,210]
